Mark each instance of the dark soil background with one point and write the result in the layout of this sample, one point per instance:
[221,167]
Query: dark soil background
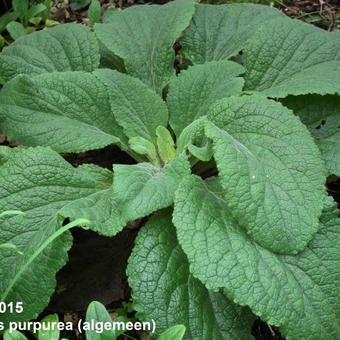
[96,270]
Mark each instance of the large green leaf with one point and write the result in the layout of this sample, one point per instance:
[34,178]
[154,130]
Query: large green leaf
[69,47]
[37,182]
[193,91]
[144,37]
[219,32]
[136,107]
[291,57]
[321,114]
[270,170]
[6,152]
[138,190]
[68,111]
[301,293]
[164,289]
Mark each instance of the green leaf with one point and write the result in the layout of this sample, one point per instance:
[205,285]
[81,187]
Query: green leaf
[9,246]
[144,36]
[69,47]
[137,108]
[68,111]
[20,8]
[166,145]
[39,183]
[95,12]
[144,188]
[16,30]
[109,13]
[6,19]
[321,114]
[35,10]
[14,335]
[300,294]
[291,57]
[173,333]
[77,5]
[193,139]
[192,134]
[97,312]
[6,152]
[2,44]
[53,333]
[164,290]
[193,92]
[144,147]
[138,190]
[270,169]
[219,32]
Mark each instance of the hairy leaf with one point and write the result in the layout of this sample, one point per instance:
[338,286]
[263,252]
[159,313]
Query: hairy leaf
[136,107]
[144,37]
[138,190]
[165,144]
[291,57]
[164,289]
[16,30]
[321,114]
[5,153]
[37,182]
[95,12]
[68,47]
[193,92]
[68,111]
[193,139]
[142,146]
[298,293]
[270,170]
[219,32]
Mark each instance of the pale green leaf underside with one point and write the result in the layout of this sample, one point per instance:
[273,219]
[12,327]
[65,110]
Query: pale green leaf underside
[288,57]
[192,135]
[137,108]
[193,92]
[37,182]
[219,32]
[321,114]
[69,47]
[270,170]
[68,111]
[138,190]
[164,289]
[298,293]
[144,37]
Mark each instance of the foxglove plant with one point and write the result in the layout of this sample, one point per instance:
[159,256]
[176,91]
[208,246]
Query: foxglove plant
[232,155]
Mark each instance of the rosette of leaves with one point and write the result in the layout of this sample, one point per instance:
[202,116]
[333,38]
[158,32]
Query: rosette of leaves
[231,159]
